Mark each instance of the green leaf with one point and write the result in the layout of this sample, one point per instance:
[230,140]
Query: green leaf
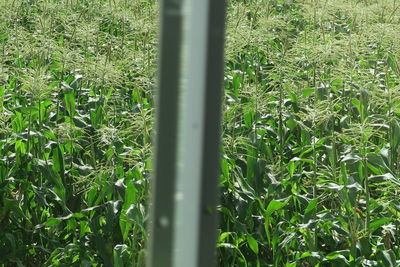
[223,236]
[378,161]
[50,135]
[84,228]
[236,84]
[311,206]
[58,160]
[307,254]
[52,222]
[130,198]
[249,118]
[385,177]
[364,246]
[274,205]
[70,103]
[373,226]
[357,104]
[57,182]
[251,162]
[253,244]
[338,255]
[308,91]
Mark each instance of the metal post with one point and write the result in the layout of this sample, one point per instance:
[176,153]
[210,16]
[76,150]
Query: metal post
[199,134]
[185,234]
[163,185]
[212,132]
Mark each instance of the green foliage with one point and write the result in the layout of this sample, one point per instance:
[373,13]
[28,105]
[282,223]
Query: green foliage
[76,115]
[310,158]
[310,166]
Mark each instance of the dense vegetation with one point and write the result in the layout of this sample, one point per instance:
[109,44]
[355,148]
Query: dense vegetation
[311,160]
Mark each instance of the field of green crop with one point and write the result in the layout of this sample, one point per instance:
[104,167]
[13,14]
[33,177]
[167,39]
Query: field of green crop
[310,166]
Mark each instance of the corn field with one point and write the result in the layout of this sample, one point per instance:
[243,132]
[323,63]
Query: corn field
[310,154]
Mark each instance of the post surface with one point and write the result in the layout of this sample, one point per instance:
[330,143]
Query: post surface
[191,134]
[163,184]
[183,232]
[212,133]
[199,134]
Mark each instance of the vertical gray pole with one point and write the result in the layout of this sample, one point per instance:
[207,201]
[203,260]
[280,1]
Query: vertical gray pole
[199,134]
[163,184]
[183,232]
[212,131]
